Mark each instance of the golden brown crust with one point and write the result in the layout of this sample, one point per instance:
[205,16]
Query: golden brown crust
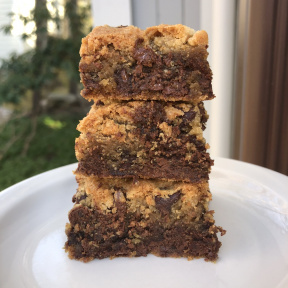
[145,139]
[116,117]
[165,62]
[141,194]
[178,31]
[125,37]
[102,36]
[181,32]
[113,218]
[199,38]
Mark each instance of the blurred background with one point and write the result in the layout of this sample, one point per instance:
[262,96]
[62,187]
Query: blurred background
[40,105]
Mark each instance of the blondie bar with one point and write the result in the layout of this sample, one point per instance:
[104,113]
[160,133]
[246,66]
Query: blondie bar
[165,62]
[143,162]
[120,217]
[144,139]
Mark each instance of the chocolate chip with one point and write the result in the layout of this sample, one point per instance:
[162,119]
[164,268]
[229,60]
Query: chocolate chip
[145,56]
[138,42]
[158,34]
[164,204]
[78,199]
[99,103]
[124,75]
[189,115]
[204,116]
[138,69]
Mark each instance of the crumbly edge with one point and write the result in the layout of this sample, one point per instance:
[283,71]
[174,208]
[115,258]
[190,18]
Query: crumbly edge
[128,132]
[120,218]
[124,38]
[108,50]
[104,194]
[115,119]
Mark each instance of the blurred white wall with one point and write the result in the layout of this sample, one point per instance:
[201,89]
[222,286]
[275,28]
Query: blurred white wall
[111,12]
[154,12]
[218,19]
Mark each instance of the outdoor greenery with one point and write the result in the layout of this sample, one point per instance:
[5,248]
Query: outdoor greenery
[38,138]
[52,146]
[37,70]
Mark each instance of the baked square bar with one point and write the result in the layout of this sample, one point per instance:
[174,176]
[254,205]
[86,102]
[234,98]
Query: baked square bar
[165,62]
[144,139]
[120,217]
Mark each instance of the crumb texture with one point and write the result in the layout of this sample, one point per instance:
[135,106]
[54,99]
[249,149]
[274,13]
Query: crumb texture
[119,217]
[143,163]
[145,139]
[166,62]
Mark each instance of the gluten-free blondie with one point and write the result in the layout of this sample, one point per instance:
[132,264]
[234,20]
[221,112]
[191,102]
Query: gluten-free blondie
[121,217]
[165,62]
[144,139]
[143,162]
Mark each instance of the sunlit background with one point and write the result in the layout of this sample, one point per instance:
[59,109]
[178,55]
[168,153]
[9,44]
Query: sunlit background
[36,137]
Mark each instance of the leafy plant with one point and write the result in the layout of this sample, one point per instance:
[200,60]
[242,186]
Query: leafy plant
[52,146]
[37,70]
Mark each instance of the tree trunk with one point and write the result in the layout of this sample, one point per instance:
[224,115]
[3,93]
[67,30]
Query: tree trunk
[36,97]
[41,14]
[75,25]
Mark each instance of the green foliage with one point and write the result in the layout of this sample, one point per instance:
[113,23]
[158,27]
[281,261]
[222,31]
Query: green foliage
[53,124]
[63,54]
[38,71]
[18,76]
[14,77]
[51,147]
[38,68]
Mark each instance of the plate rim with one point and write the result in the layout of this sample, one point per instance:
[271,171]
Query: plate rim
[221,161]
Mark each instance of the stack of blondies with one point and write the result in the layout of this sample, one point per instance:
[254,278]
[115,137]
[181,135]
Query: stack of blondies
[143,163]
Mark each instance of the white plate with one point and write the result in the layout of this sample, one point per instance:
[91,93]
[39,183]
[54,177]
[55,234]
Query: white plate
[251,203]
